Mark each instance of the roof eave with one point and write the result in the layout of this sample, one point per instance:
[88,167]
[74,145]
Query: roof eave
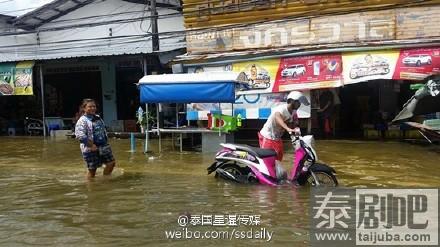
[21,20]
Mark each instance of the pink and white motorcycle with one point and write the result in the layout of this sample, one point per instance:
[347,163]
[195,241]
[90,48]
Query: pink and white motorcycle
[247,164]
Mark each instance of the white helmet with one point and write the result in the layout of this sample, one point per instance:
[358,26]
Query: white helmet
[296,95]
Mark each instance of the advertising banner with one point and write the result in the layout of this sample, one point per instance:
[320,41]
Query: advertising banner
[261,75]
[309,72]
[7,78]
[16,79]
[23,78]
[417,64]
[249,106]
[365,66]
[270,79]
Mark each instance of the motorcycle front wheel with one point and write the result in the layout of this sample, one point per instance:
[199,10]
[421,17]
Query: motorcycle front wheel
[325,179]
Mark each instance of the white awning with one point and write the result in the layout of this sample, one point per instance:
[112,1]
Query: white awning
[211,77]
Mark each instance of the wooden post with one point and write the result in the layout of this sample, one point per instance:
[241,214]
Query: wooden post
[42,100]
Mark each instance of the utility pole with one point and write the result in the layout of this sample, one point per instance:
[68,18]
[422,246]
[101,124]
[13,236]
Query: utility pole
[155,35]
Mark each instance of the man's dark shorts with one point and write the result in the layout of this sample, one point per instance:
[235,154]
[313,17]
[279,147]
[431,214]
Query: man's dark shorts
[103,155]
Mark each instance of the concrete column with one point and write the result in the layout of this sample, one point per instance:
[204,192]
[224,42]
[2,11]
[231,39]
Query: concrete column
[108,84]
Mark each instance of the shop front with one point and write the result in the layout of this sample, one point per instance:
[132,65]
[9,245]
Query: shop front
[108,80]
[353,94]
[357,67]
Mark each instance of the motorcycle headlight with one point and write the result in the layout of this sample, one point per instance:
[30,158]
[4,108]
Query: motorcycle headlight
[309,140]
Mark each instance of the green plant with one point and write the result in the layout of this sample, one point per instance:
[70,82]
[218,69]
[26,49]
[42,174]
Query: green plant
[142,120]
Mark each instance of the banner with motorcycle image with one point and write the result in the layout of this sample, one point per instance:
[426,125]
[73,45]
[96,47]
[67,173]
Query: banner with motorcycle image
[251,102]
[261,75]
[417,64]
[365,66]
[16,78]
[309,72]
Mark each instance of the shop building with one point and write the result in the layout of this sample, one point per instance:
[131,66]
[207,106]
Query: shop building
[85,49]
[364,55]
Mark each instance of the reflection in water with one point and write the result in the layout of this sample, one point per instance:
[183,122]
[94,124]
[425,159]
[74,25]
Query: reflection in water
[46,200]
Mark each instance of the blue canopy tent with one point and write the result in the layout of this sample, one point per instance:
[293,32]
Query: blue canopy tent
[209,87]
[214,87]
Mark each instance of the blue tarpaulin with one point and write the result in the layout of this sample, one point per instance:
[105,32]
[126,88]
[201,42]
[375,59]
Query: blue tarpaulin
[189,88]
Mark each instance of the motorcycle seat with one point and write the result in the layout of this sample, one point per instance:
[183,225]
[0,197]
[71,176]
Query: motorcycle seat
[259,152]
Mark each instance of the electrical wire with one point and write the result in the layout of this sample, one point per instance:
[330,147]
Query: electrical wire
[164,35]
[81,43]
[159,16]
[143,15]
[193,31]
[88,24]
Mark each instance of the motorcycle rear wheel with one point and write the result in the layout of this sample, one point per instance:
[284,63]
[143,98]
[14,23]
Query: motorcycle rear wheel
[237,171]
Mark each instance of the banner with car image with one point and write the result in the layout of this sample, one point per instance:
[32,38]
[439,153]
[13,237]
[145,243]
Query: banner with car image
[417,64]
[16,79]
[309,72]
[261,75]
[365,66]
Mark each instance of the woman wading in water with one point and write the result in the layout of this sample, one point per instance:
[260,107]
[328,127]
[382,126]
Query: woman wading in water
[91,133]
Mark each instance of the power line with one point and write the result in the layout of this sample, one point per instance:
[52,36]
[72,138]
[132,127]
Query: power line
[194,30]
[118,21]
[159,16]
[115,14]
[172,34]
[66,43]
[99,23]
[91,45]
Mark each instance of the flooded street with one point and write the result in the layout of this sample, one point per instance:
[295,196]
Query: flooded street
[45,199]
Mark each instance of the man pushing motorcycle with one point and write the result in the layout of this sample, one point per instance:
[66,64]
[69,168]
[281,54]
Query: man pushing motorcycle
[282,118]
[247,164]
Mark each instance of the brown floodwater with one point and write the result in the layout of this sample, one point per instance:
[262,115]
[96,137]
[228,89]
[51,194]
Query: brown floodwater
[45,199]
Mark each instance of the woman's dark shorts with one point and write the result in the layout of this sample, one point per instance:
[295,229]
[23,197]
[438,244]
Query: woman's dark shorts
[95,159]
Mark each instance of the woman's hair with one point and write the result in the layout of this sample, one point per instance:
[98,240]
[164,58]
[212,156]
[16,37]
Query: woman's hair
[84,104]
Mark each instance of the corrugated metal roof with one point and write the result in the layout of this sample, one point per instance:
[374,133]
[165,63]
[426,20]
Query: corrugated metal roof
[135,48]
[58,8]
[48,12]
[6,17]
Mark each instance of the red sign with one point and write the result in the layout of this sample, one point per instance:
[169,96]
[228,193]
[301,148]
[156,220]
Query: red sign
[296,73]
[416,64]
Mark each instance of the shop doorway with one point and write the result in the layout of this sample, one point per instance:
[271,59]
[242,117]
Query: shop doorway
[371,105]
[359,102]
[126,92]
[64,92]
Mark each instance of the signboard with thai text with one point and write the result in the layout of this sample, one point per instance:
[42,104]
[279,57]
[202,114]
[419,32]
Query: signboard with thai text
[347,30]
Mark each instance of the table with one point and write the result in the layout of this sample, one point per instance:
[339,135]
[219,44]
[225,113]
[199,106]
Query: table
[209,141]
